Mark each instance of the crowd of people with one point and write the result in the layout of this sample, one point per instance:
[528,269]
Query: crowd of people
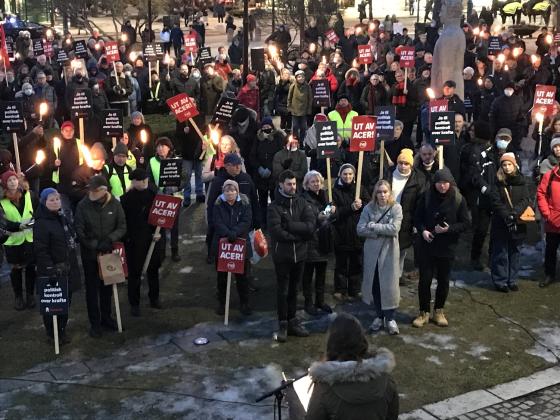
[262,170]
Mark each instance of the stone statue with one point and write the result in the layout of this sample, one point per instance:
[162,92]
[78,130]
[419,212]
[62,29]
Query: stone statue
[449,52]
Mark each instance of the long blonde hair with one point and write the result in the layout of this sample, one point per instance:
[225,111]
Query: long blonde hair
[385,183]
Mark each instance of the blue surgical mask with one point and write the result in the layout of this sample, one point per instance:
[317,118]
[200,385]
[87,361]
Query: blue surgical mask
[502,144]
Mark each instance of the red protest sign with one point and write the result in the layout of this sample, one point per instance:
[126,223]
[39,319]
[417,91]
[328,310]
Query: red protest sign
[543,100]
[363,133]
[407,57]
[364,54]
[231,256]
[112,51]
[118,248]
[182,106]
[48,49]
[190,43]
[332,36]
[437,105]
[164,211]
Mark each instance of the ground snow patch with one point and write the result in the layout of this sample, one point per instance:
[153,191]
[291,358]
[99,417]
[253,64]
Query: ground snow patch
[154,364]
[435,360]
[186,270]
[550,337]
[478,350]
[431,341]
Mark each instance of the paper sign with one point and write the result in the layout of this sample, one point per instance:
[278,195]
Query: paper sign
[494,45]
[12,116]
[160,53]
[80,49]
[327,135]
[62,56]
[118,248]
[231,256]
[543,100]
[204,57]
[112,51]
[164,211]
[53,295]
[224,110]
[437,105]
[332,36]
[182,106]
[385,122]
[364,54]
[81,103]
[321,91]
[190,43]
[407,57]
[170,172]
[363,134]
[442,128]
[149,52]
[112,120]
[48,48]
[37,47]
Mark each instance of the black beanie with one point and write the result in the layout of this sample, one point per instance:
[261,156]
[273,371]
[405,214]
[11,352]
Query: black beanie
[444,175]
[482,130]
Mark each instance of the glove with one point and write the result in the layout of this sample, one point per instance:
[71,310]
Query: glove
[262,171]
[484,189]
[105,245]
[232,237]
[286,164]
[267,173]
[371,225]
[511,223]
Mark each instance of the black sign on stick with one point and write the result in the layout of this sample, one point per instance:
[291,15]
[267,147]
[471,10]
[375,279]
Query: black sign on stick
[12,117]
[149,51]
[113,122]
[224,111]
[321,90]
[494,45]
[80,49]
[159,51]
[10,49]
[38,48]
[327,135]
[385,122]
[170,172]
[257,59]
[442,127]
[204,56]
[53,295]
[81,103]
[62,57]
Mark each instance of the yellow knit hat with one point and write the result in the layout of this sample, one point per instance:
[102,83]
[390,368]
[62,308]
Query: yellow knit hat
[407,156]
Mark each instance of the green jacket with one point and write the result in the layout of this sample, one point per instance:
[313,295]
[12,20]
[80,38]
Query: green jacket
[300,99]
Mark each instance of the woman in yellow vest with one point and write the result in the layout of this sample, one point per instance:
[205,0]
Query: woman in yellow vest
[342,115]
[17,207]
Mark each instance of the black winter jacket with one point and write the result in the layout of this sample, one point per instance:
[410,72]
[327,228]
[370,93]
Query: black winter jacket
[262,153]
[506,112]
[482,101]
[317,202]
[502,210]
[232,220]
[346,219]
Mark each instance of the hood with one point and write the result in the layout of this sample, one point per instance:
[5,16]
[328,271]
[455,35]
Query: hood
[240,198]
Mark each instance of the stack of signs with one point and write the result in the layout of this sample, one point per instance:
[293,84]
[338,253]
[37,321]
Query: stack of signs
[38,47]
[407,57]
[204,57]
[81,103]
[159,51]
[231,256]
[327,135]
[385,122]
[80,49]
[321,91]
[494,45]
[190,43]
[437,105]
[182,106]
[442,128]
[62,57]
[112,120]
[49,52]
[363,134]
[365,55]
[257,59]
[170,172]
[543,100]
[12,117]
[149,52]
[112,51]
[164,211]
[224,110]
[332,36]
[53,295]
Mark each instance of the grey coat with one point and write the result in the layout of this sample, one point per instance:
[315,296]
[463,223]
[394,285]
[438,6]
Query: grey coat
[381,248]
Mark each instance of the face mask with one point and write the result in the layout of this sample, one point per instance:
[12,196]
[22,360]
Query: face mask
[502,144]
[96,88]
[508,92]
[196,75]
[128,73]
[267,130]
[28,92]
[291,63]
[79,77]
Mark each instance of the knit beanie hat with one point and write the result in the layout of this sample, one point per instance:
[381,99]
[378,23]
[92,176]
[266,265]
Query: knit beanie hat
[407,156]
[45,194]
[444,175]
[510,157]
[230,183]
[346,166]
[120,149]
[554,142]
[5,176]
[320,118]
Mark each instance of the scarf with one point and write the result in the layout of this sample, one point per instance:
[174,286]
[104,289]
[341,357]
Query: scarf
[399,98]
[343,111]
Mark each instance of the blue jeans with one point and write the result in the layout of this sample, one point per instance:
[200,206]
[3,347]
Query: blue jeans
[188,167]
[299,127]
[504,259]
[389,314]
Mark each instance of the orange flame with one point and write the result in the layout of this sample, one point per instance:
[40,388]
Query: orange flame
[40,157]
[87,155]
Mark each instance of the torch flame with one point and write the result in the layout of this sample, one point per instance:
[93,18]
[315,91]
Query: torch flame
[40,157]
[43,108]
[534,58]
[49,33]
[431,94]
[68,41]
[56,145]
[479,82]
[124,37]
[516,52]
[273,51]
[324,59]
[371,27]
[539,117]
[312,48]
[476,31]
[143,136]
[548,39]
[501,58]
[355,63]
[87,155]
[506,68]
[97,46]
[166,58]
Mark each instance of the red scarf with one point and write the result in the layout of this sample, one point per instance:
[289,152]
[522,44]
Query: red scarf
[399,98]
[219,161]
[343,111]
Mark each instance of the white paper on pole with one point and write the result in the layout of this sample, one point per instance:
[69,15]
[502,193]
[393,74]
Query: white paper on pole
[304,388]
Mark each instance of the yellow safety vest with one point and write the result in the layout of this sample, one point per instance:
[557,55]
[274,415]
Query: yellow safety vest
[154,96]
[155,166]
[11,213]
[344,127]
[541,6]
[115,182]
[512,8]
[56,172]
[131,160]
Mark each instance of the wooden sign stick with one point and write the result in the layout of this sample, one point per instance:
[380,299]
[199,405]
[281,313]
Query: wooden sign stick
[114,140]
[197,129]
[116,77]
[381,158]
[440,156]
[228,290]
[16,152]
[405,79]
[117,306]
[359,175]
[150,74]
[150,252]
[329,180]
[55,333]
[82,131]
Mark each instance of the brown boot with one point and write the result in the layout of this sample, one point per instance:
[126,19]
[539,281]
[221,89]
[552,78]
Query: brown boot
[439,318]
[422,319]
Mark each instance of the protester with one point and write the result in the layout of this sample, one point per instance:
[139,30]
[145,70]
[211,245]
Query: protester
[118,171]
[292,158]
[299,104]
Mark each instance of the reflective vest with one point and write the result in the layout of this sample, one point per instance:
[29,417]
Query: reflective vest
[11,213]
[154,95]
[512,8]
[131,160]
[155,166]
[115,182]
[344,127]
[542,6]
[56,172]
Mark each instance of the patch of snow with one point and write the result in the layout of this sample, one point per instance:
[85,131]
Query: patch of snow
[435,360]
[550,337]
[431,341]
[186,270]
[478,350]
[153,365]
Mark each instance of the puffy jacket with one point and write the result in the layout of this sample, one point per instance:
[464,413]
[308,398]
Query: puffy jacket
[548,199]
[188,85]
[119,92]
[300,99]
[262,155]
[482,103]
[250,98]
[317,202]
[232,220]
[506,112]
[501,208]
[281,97]
[291,224]
[345,218]
[212,89]
[295,161]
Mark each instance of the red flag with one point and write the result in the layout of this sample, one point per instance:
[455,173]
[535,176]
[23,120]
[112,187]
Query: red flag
[3,49]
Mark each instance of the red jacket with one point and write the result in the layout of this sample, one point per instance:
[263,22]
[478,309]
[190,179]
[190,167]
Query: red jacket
[548,199]
[250,98]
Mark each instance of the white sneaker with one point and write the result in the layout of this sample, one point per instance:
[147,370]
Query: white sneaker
[392,327]
[376,325]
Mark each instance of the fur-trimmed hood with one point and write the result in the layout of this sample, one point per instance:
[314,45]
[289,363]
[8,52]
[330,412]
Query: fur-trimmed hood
[242,198]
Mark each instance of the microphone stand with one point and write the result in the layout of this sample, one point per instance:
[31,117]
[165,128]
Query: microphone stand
[278,394]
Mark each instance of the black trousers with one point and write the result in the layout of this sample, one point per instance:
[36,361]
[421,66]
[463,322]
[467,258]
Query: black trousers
[288,276]
[135,280]
[347,272]
[98,296]
[240,283]
[441,268]
[16,277]
[264,193]
[481,217]
[320,270]
[552,242]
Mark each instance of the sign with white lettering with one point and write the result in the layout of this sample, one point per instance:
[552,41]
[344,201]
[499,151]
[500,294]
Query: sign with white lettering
[321,92]
[81,103]
[12,116]
[231,256]
[183,107]
[327,136]
[164,211]
[170,172]
[442,128]
[543,100]
[363,134]
[80,49]
[112,121]
[53,295]
[385,122]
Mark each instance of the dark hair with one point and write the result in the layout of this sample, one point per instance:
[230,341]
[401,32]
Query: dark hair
[286,174]
[347,339]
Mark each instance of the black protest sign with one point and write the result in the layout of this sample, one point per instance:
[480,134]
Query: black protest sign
[149,51]
[257,59]
[81,103]
[62,56]
[10,49]
[80,49]
[494,45]
[53,295]
[38,48]
[112,120]
[442,128]
[327,135]
[321,93]
[385,122]
[204,56]
[159,51]
[170,172]
[224,110]
[12,117]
